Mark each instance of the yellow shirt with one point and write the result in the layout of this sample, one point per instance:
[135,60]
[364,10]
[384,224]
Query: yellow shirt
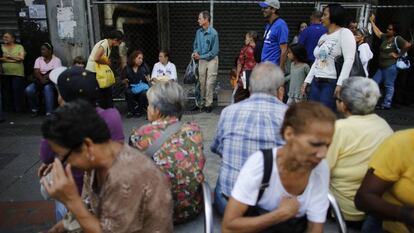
[13,68]
[91,60]
[354,141]
[394,162]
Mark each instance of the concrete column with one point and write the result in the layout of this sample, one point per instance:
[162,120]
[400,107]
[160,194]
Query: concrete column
[78,45]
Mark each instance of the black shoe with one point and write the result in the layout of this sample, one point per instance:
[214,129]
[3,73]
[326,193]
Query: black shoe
[209,109]
[195,108]
[34,114]
[130,115]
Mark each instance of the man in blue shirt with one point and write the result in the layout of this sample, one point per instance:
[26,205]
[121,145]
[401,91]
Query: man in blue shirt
[206,49]
[275,39]
[310,36]
[248,126]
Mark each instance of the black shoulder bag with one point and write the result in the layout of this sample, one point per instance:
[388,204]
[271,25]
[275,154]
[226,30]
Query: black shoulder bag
[357,69]
[294,225]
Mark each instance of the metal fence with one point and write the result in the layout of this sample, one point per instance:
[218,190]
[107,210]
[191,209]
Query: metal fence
[152,25]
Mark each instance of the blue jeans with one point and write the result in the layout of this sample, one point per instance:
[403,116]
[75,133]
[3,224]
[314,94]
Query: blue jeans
[323,92]
[60,211]
[48,92]
[372,225]
[388,76]
[220,202]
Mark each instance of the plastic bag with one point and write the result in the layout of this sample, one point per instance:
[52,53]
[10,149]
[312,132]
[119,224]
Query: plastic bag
[139,87]
[190,76]
[402,62]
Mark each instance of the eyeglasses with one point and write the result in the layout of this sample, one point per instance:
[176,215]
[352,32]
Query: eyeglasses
[66,156]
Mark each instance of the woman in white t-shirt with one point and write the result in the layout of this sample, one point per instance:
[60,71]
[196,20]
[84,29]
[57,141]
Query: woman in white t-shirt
[299,178]
[164,70]
[323,79]
[364,51]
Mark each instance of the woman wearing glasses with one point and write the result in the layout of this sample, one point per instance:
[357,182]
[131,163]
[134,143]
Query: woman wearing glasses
[124,190]
[388,55]
[77,83]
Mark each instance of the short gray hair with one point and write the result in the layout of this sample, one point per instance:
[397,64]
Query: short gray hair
[266,78]
[360,95]
[167,97]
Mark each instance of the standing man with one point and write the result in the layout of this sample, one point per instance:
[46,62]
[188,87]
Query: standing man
[248,126]
[275,39]
[310,36]
[206,49]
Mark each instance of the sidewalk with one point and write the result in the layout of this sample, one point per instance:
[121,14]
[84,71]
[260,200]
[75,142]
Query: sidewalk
[22,209]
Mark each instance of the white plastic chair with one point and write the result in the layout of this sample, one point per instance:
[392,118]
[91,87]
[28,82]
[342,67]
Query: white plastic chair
[340,221]
[208,208]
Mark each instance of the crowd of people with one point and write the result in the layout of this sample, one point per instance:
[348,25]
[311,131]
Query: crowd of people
[281,151]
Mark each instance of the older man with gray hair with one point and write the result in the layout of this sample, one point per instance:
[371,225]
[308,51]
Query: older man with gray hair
[356,138]
[249,126]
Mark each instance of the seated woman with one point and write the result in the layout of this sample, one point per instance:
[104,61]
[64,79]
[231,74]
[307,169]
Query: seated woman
[164,70]
[42,67]
[356,138]
[136,76]
[180,156]
[296,197]
[125,190]
[386,193]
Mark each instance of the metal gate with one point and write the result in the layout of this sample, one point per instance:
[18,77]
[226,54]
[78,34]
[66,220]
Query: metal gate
[151,25]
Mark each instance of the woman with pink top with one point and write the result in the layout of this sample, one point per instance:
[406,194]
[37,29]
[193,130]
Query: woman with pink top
[42,84]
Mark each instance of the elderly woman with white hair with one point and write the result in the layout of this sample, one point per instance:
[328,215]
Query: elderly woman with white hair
[176,147]
[356,138]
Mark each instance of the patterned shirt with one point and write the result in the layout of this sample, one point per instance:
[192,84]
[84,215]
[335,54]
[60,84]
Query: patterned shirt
[246,58]
[181,159]
[134,196]
[243,129]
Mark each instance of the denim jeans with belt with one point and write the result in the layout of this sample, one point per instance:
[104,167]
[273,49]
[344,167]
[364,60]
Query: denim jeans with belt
[322,90]
[220,202]
[48,92]
[388,76]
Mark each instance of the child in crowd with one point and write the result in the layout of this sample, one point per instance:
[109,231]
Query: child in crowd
[79,61]
[299,69]
[245,64]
